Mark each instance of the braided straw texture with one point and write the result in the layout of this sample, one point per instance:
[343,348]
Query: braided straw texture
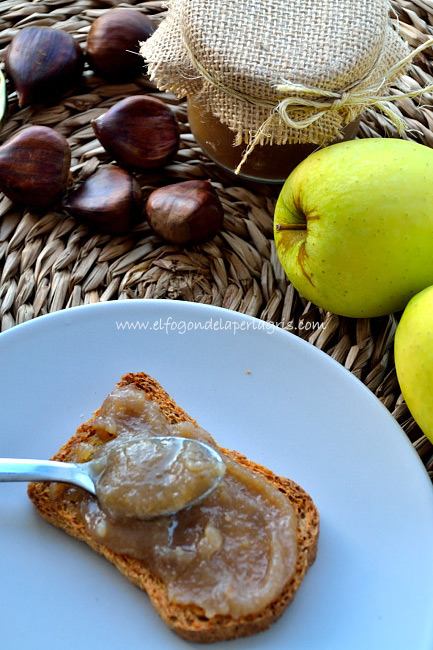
[50,262]
[212,48]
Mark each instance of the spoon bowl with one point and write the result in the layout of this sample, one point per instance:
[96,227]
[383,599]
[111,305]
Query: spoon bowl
[91,475]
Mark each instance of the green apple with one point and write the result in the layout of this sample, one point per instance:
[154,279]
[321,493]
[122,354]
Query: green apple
[354,226]
[413,348]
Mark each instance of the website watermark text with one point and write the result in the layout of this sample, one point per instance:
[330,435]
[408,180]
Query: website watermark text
[169,325]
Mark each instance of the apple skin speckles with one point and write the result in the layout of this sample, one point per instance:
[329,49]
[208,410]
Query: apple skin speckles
[301,261]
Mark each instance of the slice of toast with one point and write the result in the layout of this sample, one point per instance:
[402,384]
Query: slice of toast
[189,622]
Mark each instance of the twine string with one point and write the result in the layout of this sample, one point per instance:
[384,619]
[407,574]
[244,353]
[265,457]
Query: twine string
[316,101]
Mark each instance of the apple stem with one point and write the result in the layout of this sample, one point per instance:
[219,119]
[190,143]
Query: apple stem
[291,226]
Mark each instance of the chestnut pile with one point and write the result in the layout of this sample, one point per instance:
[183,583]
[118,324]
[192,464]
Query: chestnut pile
[139,133]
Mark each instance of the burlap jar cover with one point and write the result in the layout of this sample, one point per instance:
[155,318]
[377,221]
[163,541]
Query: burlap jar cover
[279,71]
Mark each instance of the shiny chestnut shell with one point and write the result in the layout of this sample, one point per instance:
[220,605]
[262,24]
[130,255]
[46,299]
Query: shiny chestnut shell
[185,213]
[113,44]
[43,64]
[34,167]
[139,132]
[109,201]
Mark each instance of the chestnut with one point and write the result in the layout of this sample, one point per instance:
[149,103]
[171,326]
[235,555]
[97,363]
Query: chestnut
[185,213]
[43,63]
[34,167]
[3,99]
[139,132]
[110,201]
[113,44]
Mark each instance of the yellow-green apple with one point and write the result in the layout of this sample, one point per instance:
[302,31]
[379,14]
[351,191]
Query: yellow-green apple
[354,225]
[413,348]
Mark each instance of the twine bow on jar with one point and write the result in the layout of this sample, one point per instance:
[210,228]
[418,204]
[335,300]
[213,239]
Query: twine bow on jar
[291,91]
[348,102]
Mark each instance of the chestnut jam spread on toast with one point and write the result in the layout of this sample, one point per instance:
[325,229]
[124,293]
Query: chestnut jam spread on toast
[225,567]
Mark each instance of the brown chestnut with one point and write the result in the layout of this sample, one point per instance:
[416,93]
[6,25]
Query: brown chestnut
[110,201]
[139,132]
[185,213]
[34,167]
[113,44]
[3,98]
[43,64]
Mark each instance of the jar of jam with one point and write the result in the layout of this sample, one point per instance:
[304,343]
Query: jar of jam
[266,162]
[269,81]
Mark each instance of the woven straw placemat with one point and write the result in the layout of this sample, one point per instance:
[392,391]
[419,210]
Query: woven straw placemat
[51,262]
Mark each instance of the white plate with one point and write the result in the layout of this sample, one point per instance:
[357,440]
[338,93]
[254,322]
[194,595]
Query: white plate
[259,390]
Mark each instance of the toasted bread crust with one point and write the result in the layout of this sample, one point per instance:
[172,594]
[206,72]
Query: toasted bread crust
[189,622]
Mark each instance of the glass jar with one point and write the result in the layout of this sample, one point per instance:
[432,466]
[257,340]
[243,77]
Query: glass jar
[255,71]
[271,163]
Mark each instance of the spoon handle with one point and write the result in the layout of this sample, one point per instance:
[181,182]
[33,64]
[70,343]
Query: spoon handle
[25,469]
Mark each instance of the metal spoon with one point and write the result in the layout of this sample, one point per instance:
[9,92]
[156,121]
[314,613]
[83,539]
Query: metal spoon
[86,475]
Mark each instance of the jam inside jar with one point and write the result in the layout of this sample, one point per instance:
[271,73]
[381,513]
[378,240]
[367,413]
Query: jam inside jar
[270,163]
